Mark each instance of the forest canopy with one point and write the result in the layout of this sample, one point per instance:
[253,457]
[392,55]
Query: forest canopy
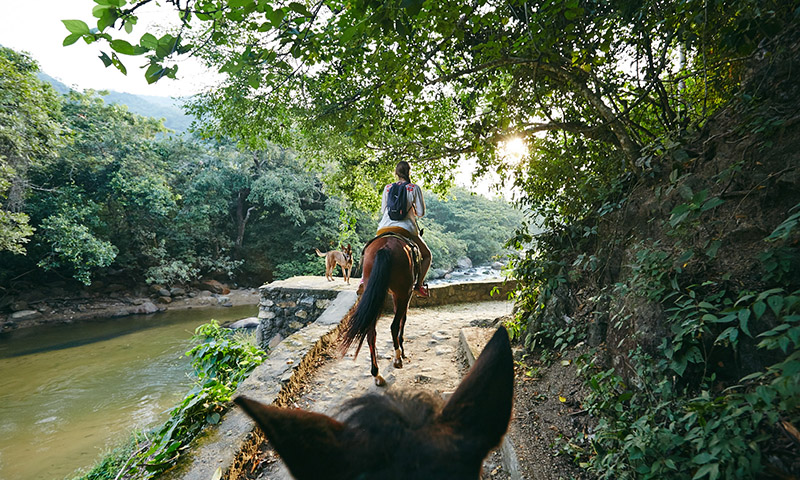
[90,188]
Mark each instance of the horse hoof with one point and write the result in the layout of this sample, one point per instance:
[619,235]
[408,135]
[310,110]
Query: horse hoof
[398,363]
[379,381]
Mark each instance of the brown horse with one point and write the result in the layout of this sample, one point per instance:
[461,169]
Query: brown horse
[400,436]
[388,266]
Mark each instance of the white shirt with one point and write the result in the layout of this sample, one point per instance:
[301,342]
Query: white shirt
[414,198]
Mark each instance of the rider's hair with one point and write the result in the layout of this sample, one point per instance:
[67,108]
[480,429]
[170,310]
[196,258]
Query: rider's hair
[403,170]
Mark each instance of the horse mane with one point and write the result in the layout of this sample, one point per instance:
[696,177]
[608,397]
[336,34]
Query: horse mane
[390,411]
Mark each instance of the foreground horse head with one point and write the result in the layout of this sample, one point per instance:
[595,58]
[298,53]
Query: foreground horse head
[398,435]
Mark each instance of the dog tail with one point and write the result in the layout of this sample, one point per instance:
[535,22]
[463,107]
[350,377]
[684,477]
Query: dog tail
[369,307]
[319,253]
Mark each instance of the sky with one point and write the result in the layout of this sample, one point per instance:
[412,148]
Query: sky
[36,28]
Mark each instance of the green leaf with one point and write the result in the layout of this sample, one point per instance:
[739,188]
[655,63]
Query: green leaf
[105,59]
[744,317]
[154,73]
[712,203]
[775,303]
[71,38]
[709,318]
[703,458]
[299,8]
[767,293]
[76,26]
[276,16]
[711,469]
[254,80]
[149,41]
[117,63]
[348,34]
[166,46]
[730,333]
[759,308]
[106,18]
[123,47]
[99,10]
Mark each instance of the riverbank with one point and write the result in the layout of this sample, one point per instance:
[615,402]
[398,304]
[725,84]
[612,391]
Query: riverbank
[37,308]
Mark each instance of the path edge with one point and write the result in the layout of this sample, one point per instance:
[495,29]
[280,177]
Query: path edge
[472,340]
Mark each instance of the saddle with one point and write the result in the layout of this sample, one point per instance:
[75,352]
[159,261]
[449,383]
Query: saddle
[415,254]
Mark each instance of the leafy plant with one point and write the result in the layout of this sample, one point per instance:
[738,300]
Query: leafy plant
[220,361]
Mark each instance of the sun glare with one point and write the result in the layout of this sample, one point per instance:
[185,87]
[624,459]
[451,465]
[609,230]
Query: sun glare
[513,149]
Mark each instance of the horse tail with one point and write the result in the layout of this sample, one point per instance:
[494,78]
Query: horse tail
[371,303]
[319,253]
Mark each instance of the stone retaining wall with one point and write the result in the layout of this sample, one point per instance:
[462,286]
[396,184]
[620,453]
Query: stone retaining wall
[284,310]
[463,293]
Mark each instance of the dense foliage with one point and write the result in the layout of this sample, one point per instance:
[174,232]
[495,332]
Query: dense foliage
[94,189]
[221,360]
[614,100]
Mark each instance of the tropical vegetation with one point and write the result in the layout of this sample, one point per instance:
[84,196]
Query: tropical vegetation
[661,175]
[92,189]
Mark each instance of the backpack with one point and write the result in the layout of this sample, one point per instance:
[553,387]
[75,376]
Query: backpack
[397,201]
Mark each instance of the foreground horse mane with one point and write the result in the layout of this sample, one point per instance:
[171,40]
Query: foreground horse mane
[400,435]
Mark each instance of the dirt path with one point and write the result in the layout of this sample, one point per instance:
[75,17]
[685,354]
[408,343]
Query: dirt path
[435,362]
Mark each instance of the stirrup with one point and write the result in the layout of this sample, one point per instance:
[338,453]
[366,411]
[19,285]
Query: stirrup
[422,291]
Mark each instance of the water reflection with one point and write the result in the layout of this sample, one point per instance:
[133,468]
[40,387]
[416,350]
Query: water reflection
[69,393]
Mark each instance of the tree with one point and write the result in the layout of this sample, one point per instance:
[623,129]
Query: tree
[434,81]
[106,193]
[29,134]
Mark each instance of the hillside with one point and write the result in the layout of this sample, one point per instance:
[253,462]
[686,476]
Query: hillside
[685,285]
[170,109]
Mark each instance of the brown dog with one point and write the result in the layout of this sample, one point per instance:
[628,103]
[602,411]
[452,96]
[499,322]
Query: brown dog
[343,258]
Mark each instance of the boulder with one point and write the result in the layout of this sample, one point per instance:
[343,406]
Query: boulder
[25,315]
[176,291]
[222,299]
[249,322]
[145,308]
[435,273]
[464,263]
[497,266]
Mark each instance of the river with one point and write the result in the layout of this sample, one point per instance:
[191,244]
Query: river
[70,393]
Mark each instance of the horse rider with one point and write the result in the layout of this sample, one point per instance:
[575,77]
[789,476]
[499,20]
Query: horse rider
[408,227]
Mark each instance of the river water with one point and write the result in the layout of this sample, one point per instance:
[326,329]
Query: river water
[70,393]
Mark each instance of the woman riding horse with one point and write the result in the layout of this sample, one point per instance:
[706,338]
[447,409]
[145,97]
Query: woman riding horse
[408,227]
[388,266]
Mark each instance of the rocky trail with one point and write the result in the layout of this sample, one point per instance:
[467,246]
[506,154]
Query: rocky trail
[435,362]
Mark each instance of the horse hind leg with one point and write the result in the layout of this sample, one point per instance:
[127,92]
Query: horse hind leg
[373,356]
[401,309]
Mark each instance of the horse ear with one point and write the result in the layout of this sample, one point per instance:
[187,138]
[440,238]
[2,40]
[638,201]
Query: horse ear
[298,436]
[480,408]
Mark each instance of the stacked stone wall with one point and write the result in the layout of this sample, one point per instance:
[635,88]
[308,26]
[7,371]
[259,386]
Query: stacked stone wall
[283,311]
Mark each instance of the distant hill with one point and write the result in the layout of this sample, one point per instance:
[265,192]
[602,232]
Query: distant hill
[146,105]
